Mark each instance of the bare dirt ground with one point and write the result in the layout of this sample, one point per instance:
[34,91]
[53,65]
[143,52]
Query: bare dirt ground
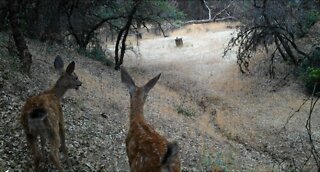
[221,119]
[251,110]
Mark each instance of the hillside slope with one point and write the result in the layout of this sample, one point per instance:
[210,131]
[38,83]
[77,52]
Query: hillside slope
[225,120]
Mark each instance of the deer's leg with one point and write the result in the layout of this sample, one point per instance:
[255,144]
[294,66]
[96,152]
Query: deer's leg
[54,150]
[32,143]
[43,150]
[64,147]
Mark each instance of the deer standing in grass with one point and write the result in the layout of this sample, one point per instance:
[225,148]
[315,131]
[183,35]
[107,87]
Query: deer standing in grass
[42,116]
[147,150]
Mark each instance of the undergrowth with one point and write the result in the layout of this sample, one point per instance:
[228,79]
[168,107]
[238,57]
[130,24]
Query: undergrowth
[181,109]
[96,53]
[310,71]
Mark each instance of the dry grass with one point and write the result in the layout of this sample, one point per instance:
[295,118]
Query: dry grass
[195,29]
[198,79]
[236,118]
[248,108]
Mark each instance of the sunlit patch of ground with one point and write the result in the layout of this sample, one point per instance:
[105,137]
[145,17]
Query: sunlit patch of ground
[248,109]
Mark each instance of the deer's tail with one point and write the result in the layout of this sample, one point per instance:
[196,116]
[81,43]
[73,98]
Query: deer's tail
[37,118]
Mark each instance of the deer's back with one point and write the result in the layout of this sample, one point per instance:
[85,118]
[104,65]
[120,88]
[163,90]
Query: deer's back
[145,147]
[46,101]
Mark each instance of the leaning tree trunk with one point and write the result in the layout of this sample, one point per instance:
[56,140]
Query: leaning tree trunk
[122,36]
[21,45]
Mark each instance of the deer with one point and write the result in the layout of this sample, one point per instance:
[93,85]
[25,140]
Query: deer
[42,116]
[147,150]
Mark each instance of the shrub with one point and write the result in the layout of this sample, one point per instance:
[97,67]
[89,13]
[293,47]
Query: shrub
[216,161]
[185,111]
[97,54]
[310,71]
[306,20]
[312,77]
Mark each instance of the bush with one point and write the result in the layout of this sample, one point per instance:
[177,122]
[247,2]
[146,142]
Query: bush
[185,111]
[97,54]
[306,20]
[310,70]
[312,77]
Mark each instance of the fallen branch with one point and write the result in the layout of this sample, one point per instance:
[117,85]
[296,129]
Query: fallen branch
[209,21]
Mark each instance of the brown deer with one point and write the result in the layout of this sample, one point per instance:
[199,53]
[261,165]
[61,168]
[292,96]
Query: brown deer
[42,116]
[146,149]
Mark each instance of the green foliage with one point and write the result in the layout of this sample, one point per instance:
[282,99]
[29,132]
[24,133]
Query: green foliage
[216,162]
[181,109]
[312,79]
[207,160]
[158,12]
[310,71]
[97,54]
[306,20]
[273,25]
[312,17]
[313,74]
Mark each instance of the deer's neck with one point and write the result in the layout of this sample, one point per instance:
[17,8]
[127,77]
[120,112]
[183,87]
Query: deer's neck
[136,112]
[59,89]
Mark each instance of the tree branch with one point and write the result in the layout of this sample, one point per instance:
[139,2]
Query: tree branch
[205,4]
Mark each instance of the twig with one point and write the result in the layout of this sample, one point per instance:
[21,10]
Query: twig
[218,13]
[208,8]
[296,111]
[308,126]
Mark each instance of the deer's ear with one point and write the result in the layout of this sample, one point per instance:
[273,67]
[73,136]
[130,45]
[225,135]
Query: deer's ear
[151,83]
[127,80]
[58,64]
[70,68]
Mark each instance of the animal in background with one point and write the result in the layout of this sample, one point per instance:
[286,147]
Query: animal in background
[42,117]
[147,150]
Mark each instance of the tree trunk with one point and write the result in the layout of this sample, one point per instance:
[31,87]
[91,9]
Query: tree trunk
[33,23]
[52,31]
[122,36]
[24,54]
[3,15]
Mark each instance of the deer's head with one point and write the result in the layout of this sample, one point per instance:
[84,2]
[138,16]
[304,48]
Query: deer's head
[68,78]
